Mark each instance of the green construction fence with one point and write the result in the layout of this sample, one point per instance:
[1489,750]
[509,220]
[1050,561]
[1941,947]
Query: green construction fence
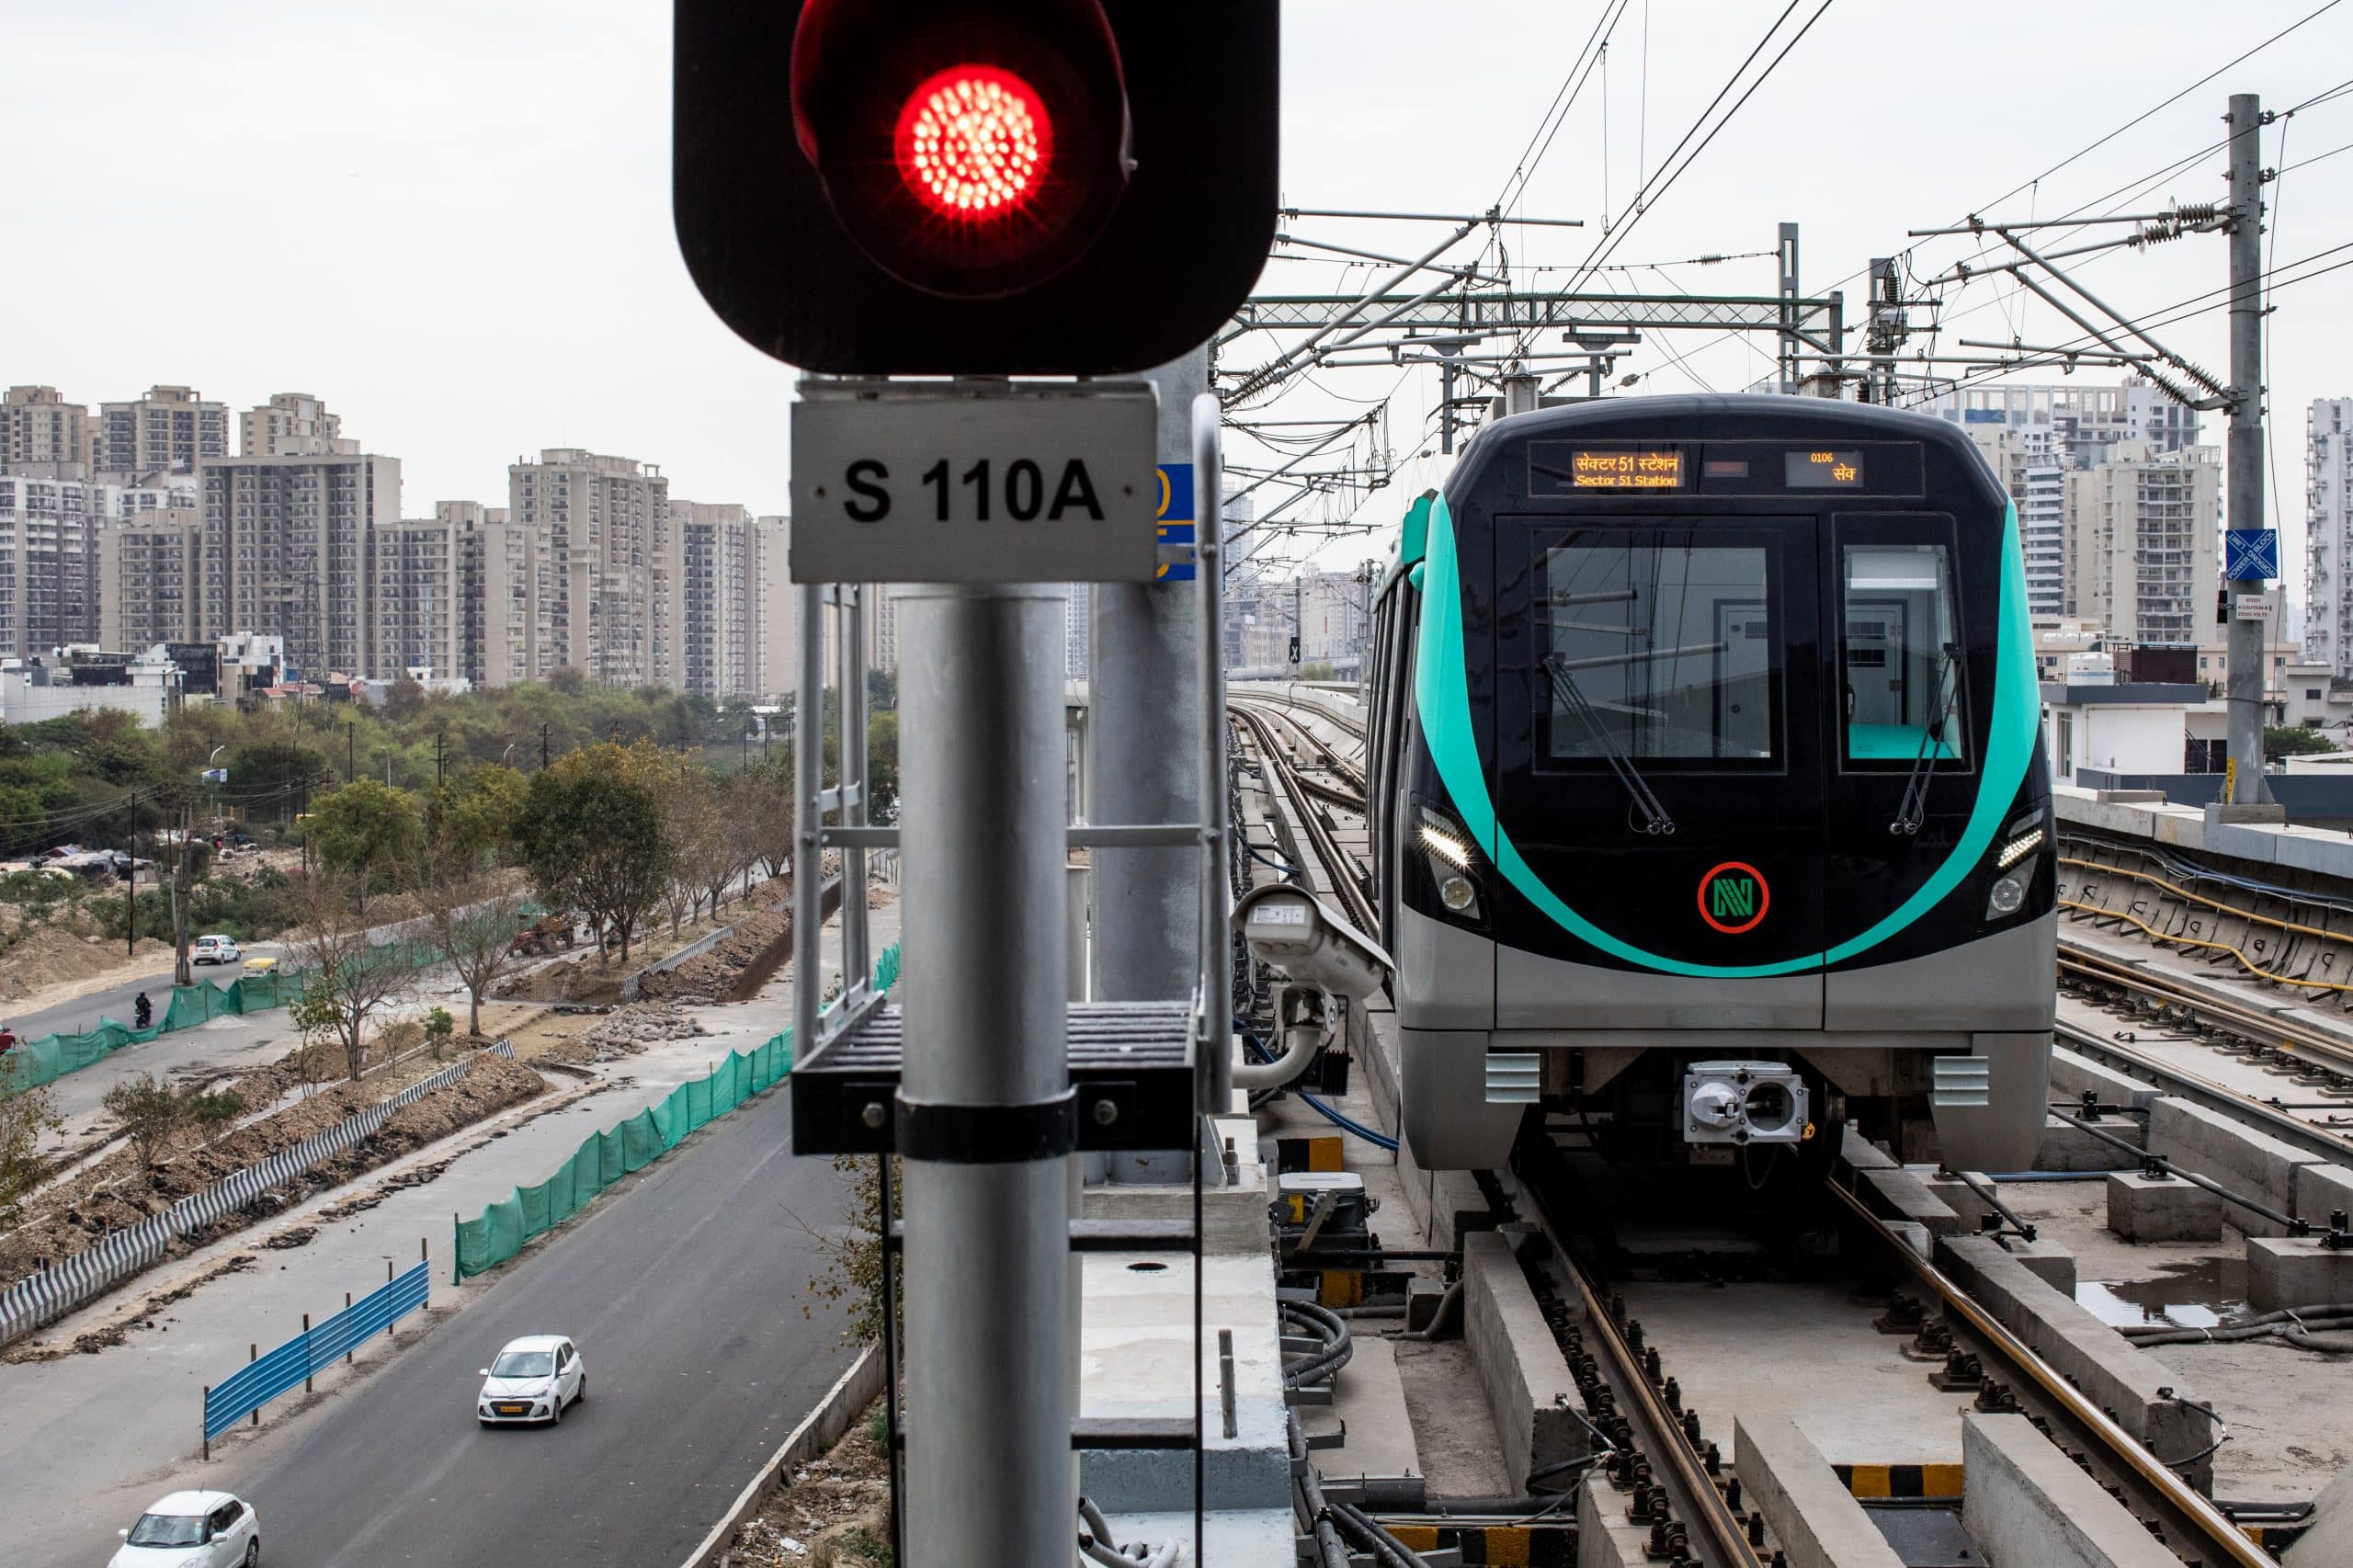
[603,1158]
[53,1056]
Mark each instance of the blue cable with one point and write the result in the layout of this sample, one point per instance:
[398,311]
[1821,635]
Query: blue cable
[1378,1140]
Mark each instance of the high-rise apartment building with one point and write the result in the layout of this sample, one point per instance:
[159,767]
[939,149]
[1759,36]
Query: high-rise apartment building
[2328,534]
[168,431]
[776,647]
[2027,459]
[2142,538]
[38,426]
[720,598]
[150,579]
[604,568]
[289,550]
[50,529]
[417,609]
[2085,422]
[288,425]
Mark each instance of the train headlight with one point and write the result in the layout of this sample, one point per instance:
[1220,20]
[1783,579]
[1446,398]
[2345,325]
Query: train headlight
[2017,849]
[1454,862]
[2007,897]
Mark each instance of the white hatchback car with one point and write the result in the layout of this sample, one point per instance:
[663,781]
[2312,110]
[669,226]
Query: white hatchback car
[532,1379]
[214,949]
[192,1529]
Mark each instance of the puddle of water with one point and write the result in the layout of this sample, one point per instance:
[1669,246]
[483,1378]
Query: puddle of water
[2195,1295]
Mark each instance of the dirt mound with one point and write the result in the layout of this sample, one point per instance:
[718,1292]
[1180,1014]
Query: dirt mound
[47,957]
[630,1029]
[832,1513]
[716,975]
[117,1193]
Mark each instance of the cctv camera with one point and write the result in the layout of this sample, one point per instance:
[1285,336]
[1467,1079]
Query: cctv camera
[1302,938]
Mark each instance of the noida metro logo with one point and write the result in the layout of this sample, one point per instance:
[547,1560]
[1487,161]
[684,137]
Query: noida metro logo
[1733,897]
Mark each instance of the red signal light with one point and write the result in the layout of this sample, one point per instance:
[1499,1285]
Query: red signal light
[971,148]
[975,142]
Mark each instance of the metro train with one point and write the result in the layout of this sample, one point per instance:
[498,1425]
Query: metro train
[1708,799]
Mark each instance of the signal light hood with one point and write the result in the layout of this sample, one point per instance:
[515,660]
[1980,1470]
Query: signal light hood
[970,149]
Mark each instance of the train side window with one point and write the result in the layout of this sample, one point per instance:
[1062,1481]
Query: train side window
[1899,659]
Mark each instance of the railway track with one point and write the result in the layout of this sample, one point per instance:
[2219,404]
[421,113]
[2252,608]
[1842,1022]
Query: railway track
[1675,1477]
[1342,872]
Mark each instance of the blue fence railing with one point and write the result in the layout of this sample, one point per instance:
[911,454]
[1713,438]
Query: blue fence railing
[261,1380]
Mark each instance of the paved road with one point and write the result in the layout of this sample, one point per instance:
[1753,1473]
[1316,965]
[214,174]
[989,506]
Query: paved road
[683,1292]
[83,1012]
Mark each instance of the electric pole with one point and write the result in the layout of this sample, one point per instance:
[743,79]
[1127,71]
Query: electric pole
[544,748]
[2244,470]
[1298,630]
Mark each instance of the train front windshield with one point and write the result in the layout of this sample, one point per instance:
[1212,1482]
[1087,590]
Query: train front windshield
[1659,645]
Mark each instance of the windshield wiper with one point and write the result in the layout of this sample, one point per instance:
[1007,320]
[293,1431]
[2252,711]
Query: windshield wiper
[1913,809]
[1638,790]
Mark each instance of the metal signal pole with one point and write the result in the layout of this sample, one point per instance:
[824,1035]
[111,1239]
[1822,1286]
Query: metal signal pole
[2243,473]
[987,1124]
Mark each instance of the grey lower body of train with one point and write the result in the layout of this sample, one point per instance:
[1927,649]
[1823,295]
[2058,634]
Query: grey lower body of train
[1961,1038]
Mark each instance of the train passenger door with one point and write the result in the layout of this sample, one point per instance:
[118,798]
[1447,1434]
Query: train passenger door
[1659,768]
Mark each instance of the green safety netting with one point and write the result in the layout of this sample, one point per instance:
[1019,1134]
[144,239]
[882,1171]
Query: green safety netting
[603,1158]
[51,1057]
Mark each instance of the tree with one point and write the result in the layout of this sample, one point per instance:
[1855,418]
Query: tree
[474,923]
[592,837]
[348,979]
[2279,741]
[473,815]
[705,855]
[27,1114]
[365,828]
[148,1111]
[438,1027]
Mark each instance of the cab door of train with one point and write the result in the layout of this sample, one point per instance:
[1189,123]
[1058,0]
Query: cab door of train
[1903,741]
[1660,767]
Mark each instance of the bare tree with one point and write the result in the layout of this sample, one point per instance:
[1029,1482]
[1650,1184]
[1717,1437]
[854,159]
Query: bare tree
[705,848]
[27,1114]
[473,923]
[347,979]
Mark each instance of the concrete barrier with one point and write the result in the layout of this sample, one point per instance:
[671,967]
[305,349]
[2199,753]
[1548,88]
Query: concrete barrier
[2133,1386]
[1815,1517]
[1897,1194]
[2026,1503]
[2072,1074]
[819,1430]
[1605,1538]
[2248,1162]
[1529,1389]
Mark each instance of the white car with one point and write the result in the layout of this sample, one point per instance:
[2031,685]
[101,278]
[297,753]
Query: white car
[214,949]
[532,1379]
[192,1529]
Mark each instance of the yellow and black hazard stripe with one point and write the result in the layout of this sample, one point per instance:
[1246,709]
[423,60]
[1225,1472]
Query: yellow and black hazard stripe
[1550,1546]
[1900,1479]
[1319,1152]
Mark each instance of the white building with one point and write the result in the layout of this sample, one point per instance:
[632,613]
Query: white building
[2328,533]
[2136,729]
[604,568]
[31,691]
[288,549]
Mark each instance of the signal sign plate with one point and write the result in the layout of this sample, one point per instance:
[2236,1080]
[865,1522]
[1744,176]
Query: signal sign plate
[2250,554]
[897,482]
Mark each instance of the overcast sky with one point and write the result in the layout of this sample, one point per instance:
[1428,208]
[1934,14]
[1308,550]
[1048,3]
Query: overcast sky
[450,218]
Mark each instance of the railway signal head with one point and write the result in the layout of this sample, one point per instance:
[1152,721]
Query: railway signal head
[981,186]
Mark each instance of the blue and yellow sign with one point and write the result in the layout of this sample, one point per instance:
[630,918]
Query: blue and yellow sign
[1175,523]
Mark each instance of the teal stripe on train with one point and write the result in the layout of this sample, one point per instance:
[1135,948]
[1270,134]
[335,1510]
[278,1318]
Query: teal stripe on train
[1442,702]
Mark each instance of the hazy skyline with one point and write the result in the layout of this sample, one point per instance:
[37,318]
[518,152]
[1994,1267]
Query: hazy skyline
[452,222]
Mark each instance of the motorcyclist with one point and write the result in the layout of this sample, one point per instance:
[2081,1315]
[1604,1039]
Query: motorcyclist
[142,1010]
[7,1039]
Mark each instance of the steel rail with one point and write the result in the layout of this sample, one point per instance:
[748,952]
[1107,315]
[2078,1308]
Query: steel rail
[1718,1537]
[1339,867]
[2248,1021]
[2187,1516]
[2335,1147]
[1333,761]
